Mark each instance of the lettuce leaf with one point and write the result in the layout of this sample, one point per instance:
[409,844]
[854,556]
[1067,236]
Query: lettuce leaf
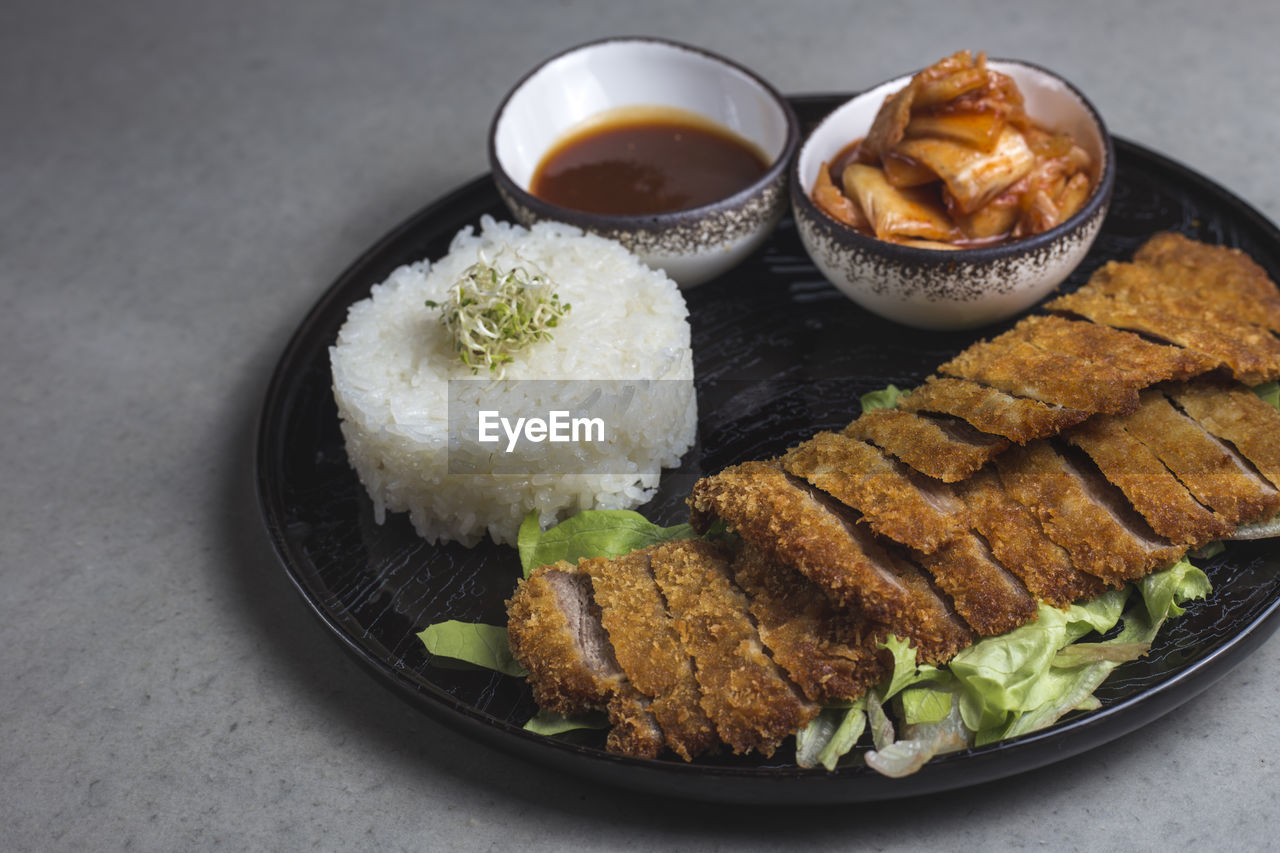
[922,741]
[1269,392]
[1002,677]
[829,736]
[591,533]
[1165,591]
[885,398]
[1077,671]
[904,666]
[920,705]
[473,643]
[550,723]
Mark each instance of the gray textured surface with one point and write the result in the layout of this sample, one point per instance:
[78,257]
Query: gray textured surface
[178,183]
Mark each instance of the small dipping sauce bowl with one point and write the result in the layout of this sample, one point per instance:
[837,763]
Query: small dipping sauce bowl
[954,288]
[571,89]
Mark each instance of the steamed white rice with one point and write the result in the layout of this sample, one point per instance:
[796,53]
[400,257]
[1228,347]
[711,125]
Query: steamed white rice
[393,361]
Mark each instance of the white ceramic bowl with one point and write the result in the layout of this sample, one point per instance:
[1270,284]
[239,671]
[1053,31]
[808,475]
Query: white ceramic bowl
[953,289]
[690,245]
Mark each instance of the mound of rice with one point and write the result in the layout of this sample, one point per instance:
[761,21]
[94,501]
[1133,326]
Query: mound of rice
[393,361]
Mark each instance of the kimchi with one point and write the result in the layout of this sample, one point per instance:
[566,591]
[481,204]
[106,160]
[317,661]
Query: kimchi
[952,160]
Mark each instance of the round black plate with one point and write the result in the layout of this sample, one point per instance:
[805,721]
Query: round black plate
[779,355]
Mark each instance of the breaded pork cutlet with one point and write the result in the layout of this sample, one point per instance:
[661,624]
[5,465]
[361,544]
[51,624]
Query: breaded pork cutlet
[990,410]
[922,514]
[1077,510]
[1211,471]
[746,695]
[1130,296]
[1238,416]
[1220,278]
[1150,486]
[895,501]
[647,647]
[989,598]
[1013,365]
[1147,362]
[792,523]
[842,542]
[1017,540]
[941,447]
[829,652]
[554,629]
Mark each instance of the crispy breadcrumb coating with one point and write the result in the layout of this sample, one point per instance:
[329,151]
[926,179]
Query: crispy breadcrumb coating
[791,524]
[930,445]
[1020,544]
[648,649]
[752,703]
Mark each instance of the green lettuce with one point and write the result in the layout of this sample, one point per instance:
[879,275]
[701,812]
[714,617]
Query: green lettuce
[1165,592]
[905,672]
[926,704]
[1001,687]
[474,643]
[550,723]
[831,735]
[1076,671]
[593,533]
[885,398]
[1269,392]
[1001,677]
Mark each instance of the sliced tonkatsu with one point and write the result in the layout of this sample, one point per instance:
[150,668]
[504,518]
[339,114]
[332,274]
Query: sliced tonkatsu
[647,647]
[1238,416]
[1155,491]
[795,524]
[921,514]
[895,501]
[752,703]
[938,446]
[1018,541]
[990,410]
[1145,361]
[829,652]
[555,632]
[989,598]
[1219,278]
[1011,364]
[1213,472]
[1079,511]
[1127,296]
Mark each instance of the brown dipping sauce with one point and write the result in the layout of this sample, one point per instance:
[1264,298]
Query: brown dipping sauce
[644,160]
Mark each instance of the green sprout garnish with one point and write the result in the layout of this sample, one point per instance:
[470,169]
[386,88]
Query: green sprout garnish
[492,312]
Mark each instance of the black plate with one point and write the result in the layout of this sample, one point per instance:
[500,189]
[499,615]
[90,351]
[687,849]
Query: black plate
[779,354]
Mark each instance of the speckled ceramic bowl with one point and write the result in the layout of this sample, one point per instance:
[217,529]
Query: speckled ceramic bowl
[953,289]
[691,245]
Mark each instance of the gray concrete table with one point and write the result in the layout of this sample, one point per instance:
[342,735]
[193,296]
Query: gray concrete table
[179,181]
